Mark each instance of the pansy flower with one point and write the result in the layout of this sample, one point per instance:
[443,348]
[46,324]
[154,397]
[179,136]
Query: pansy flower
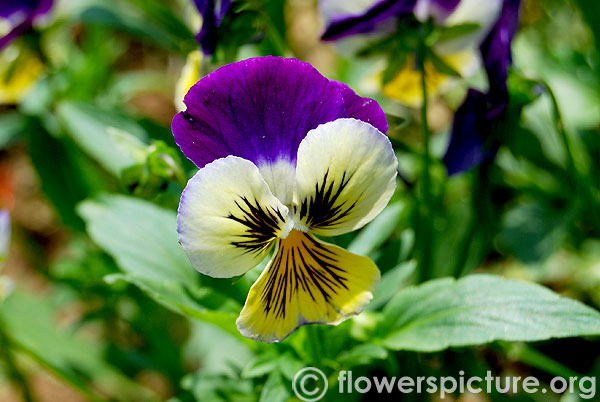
[21,14]
[459,53]
[285,155]
[212,12]
[480,113]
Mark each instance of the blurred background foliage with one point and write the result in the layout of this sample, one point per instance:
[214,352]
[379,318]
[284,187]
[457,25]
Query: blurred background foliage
[106,305]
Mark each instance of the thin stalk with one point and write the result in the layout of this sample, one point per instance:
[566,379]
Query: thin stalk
[465,244]
[580,181]
[426,210]
[13,370]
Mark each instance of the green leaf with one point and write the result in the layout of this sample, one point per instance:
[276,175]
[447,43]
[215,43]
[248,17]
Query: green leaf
[362,354]
[442,66]
[140,236]
[11,125]
[391,283]
[456,31]
[531,231]
[96,132]
[479,309]
[274,390]
[379,230]
[261,365]
[30,322]
[66,183]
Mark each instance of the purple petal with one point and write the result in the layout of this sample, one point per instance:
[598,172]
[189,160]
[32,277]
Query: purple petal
[17,31]
[365,109]
[10,7]
[30,10]
[261,108]
[468,131]
[497,56]
[351,24]
[212,15]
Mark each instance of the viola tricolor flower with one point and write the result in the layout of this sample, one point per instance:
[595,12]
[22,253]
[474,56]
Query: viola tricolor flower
[212,12]
[475,119]
[21,15]
[457,52]
[284,154]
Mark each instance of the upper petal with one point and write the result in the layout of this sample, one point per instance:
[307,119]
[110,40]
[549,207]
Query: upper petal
[258,109]
[345,176]
[365,109]
[228,218]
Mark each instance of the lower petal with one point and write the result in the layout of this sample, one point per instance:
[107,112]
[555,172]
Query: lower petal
[307,281]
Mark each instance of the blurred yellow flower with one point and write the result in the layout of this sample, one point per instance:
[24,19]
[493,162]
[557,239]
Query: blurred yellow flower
[17,75]
[405,87]
[190,74]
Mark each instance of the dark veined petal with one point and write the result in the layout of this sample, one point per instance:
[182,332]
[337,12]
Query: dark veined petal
[260,109]
[367,21]
[307,281]
[468,131]
[345,176]
[228,219]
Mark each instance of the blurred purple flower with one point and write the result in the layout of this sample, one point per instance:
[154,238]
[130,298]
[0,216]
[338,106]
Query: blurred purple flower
[213,12]
[475,119]
[22,13]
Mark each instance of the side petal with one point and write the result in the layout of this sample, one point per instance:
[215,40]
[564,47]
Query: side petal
[228,219]
[345,176]
[307,281]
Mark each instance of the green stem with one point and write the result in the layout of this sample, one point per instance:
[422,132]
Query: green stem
[580,185]
[13,370]
[426,239]
[465,244]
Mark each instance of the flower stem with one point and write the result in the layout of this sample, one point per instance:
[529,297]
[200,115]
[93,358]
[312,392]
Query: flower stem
[426,238]
[580,181]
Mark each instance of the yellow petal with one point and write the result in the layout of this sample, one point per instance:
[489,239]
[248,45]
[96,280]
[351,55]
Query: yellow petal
[16,81]
[307,281]
[405,87]
[190,74]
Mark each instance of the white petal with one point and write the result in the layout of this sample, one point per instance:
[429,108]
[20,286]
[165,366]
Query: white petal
[345,176]
[228,219]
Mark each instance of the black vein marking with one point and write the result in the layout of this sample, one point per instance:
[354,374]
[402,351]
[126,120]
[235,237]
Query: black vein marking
[323,209]
[262,225]
[301,265]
